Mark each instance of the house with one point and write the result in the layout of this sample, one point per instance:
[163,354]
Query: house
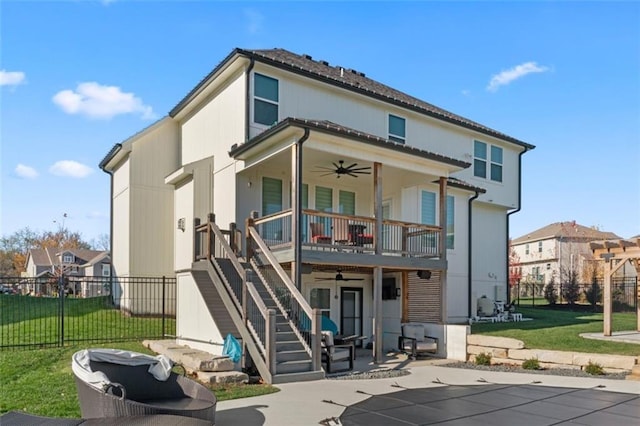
[555,251]
[78,266]
[293,190]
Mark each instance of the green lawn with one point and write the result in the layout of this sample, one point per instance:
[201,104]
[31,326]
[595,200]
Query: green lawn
[560,330]
[41,381]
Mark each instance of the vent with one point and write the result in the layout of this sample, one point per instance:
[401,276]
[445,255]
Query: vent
[324,63]
[307,56]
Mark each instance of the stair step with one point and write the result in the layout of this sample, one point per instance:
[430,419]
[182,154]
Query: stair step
[289,345]
[293,366]
[286,336]
[297,355]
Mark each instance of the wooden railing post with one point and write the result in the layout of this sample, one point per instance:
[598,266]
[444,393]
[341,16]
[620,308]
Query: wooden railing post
[196,239]
[245,316]
[232,237]
[271,340]
[316,339]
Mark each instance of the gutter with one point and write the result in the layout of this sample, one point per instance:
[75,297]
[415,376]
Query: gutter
[297,253]
[470,256]
[513,212]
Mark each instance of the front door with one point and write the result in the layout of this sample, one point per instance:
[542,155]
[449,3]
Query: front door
[351,312]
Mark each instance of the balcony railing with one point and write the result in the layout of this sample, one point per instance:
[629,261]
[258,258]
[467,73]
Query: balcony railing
[321,231]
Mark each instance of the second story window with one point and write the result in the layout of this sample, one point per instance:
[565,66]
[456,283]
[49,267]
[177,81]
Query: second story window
[106,270]
[539,246]
[482,159]
[67,258]
[265,102]
[397,129]
[526,249]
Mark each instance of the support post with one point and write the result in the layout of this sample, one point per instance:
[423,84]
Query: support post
[608,306]
[316,340]
[245,279]
[296,189]
[443,248]
[249,223]
[197,247]
[377,271]
[271,341]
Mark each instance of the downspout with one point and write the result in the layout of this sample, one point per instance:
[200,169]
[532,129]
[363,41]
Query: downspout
[297,255]
[470,257]
[512,212]
[247,109]
[110,173]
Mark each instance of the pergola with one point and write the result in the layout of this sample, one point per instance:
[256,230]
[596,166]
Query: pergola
[615,253]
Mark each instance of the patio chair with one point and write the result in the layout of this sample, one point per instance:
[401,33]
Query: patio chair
[413,341]
[341,234]
[317,233]
[332,353]
[116,383]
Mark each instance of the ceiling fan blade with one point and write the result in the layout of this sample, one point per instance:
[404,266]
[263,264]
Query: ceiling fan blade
[353,279]
[336,166]
[326,279]
[354,164]
[362,173]
[352,174]
[321,168]
[360,168]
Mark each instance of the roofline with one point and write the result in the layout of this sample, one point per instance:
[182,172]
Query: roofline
[296,70]
[357,136]
[455,183]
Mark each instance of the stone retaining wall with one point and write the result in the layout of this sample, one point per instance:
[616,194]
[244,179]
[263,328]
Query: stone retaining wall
[504,350]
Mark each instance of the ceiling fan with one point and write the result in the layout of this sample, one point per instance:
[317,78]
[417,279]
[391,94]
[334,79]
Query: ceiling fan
[339,277]
[339,169]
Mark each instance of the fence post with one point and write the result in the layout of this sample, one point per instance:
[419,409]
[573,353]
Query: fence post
[196,239]
[232,237]
[249,223]
[61,296]
[164,314]
[245,278]
[271,340]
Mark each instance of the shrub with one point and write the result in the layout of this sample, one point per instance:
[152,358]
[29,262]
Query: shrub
[483,359]
[594,369]
[531,364]
[550,292]
[593,294]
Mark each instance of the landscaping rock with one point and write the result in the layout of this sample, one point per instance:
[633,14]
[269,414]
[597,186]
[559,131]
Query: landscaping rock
[494,342]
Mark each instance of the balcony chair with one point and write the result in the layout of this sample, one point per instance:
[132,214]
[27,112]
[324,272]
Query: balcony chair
[332,353]
[341,234]
[413,341]
[317,234]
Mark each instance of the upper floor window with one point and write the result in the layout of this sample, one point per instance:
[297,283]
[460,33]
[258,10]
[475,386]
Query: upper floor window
[483,158]
[397,128]
[526,249]
[265,103]
[106,270]
[539,246]
[67,258]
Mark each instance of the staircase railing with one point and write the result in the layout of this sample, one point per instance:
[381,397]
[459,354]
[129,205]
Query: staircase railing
[306,321]
[257,318]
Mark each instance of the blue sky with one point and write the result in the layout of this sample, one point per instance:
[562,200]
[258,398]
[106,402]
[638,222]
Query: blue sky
[79,76]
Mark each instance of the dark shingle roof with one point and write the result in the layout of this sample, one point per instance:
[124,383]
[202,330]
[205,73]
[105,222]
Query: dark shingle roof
[329,127]
[351,80]
[569,230]
[48,256]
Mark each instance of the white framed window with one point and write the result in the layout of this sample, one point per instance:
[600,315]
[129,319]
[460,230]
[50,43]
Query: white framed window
[106,270]
[67,258]
[397,129]
[265,99]
[321,299]
[487,156]
[526,249]
[539,246]
[428,214]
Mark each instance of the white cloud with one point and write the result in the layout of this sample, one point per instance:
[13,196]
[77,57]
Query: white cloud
[98,101]
[96,215]
[70,168]
[254,20]
[11,78]
[26,172]
[519,71]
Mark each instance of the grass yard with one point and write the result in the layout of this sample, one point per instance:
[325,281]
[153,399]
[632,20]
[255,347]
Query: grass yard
[557,329]
[41,381]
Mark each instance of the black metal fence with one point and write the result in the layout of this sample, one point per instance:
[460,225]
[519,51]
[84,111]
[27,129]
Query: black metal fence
[624,292]
[52,312]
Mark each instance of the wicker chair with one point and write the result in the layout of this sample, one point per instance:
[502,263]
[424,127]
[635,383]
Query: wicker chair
[131,390]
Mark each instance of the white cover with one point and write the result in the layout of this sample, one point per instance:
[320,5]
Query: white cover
[159,366]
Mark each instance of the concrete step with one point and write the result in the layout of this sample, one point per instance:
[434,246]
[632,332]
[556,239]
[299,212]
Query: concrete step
[305,376]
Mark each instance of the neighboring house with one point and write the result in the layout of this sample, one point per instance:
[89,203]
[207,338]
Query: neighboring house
[555,251]
[78,265]
[351,197]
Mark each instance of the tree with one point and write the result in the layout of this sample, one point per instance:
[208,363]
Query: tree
[14,248]
[550,291]
[515,267]
[570,287]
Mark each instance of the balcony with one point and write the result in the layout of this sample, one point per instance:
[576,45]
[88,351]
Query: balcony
[331,237]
